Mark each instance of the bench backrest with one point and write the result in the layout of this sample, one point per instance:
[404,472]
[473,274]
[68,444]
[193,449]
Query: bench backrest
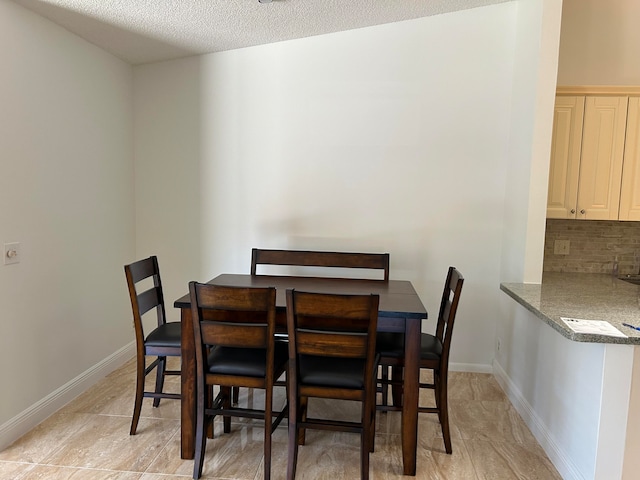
[306,258]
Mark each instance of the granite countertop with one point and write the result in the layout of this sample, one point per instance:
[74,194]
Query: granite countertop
[587,296]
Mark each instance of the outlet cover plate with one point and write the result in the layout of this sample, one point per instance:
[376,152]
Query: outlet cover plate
[11,253]
[561,247]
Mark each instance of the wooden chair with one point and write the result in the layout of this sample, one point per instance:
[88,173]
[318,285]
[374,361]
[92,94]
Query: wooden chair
[234,344]
[162,342]
[434,355]
[306,258]
[331,355]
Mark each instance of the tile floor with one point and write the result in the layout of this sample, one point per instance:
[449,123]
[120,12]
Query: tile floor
[89,440]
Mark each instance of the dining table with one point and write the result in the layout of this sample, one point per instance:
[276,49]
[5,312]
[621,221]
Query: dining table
[400,310]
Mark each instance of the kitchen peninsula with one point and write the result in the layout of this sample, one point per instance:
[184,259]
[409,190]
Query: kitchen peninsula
[579,393]
[584,296]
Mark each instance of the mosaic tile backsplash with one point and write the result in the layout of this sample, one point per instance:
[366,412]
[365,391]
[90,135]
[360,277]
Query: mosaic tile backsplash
[594,246]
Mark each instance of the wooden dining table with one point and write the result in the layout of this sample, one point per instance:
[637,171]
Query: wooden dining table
[400,310]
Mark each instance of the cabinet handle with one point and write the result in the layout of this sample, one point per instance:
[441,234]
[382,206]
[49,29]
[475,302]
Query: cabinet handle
[573,210]
[582,211]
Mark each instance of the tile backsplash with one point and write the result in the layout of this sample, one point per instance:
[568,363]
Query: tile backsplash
[593,246]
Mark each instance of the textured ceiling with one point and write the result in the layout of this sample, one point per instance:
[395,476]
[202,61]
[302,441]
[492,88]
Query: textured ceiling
[145,31]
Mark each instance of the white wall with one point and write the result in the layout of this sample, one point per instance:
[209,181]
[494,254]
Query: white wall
[537,26]
[600,43]
[391,138]
[66,190]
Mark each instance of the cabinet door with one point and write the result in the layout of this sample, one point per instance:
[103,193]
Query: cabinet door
[603,133]
[565,157]
[630,194]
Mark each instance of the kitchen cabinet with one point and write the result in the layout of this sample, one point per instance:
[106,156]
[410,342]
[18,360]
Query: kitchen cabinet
[566,146]
[587,155]
[630,191]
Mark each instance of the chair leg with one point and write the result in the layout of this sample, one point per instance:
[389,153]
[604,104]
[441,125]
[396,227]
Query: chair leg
[201,437]
[303,402]
[365,444]
[367,436]
[209,400]
[268,409]
[436,391]
[292,457]
[226,404]
[137,404]
[235,391]
[160,369]
[372,423]
[443,410]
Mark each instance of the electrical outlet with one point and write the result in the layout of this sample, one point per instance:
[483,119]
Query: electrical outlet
[11,253]
[561,247]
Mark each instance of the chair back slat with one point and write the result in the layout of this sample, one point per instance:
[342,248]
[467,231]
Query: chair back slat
[332,323]
[332,344]
[148,300]
[240,335]
[226,298]
[352,307]
[307,258]
[143,269]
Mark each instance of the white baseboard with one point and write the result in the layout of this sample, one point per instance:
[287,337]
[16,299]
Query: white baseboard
[560,460]
[13,429]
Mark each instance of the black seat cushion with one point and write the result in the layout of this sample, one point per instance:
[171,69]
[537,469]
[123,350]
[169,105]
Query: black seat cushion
[392,345]
[430,347]
[167,335]
[247,362]
[331,372]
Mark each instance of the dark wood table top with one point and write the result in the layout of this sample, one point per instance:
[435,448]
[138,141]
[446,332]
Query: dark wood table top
[398,298]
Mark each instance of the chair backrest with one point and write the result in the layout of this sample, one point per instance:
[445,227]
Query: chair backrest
[241,317]
[149,298]
[448,309]
[307,258]
[332,325]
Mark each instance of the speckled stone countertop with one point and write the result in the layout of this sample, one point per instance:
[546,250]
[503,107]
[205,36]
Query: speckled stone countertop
[585,296]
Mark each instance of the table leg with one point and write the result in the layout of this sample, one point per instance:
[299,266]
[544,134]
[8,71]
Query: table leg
[411,394]
[188,388]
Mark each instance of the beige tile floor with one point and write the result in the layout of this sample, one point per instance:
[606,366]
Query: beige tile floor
[89,440]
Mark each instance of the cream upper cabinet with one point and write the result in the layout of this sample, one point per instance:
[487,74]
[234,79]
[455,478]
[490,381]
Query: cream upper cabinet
[587,156]
[605,120]
[630,193]
[565,157]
